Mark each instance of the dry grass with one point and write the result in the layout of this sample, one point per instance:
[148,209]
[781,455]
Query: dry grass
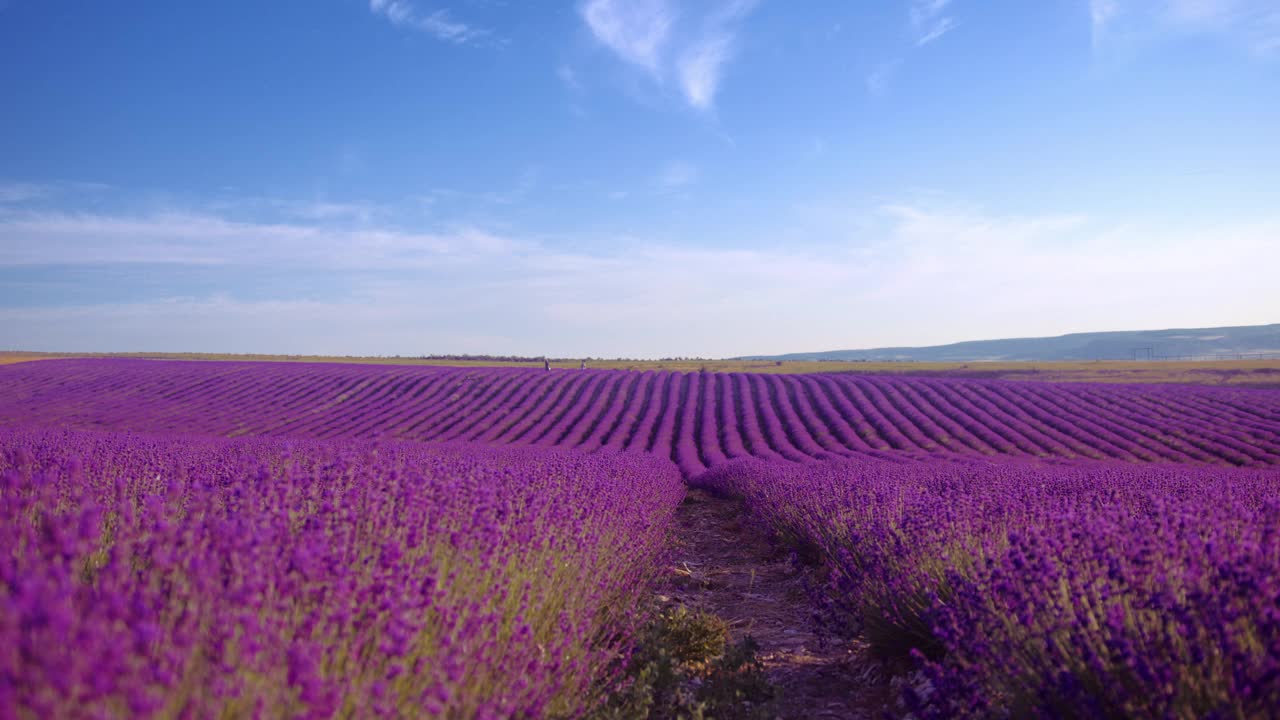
[1265,373]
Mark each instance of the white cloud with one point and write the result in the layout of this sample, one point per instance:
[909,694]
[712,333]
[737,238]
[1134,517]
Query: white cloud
[636,30]
[1205,11]
[929,20]
[899,274]
[205,239]
[14,193]
[1101,14]
[1007,276]
[664,40]
[878,79]
[437,23]
[677,175]
[321,210]
[1266,40]
[313,210]
[1251,24]
[700,67]
[569,78]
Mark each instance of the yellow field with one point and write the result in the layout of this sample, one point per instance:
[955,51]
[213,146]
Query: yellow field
[9,358]
[1209,372]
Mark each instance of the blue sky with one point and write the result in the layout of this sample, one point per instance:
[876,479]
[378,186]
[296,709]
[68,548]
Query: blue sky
[633,178]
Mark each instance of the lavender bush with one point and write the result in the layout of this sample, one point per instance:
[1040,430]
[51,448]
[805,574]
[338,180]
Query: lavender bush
[1046,590]
[189,577]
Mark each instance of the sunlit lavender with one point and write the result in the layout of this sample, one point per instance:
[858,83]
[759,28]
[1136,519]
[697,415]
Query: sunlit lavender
[190,577]
[1074,589]
[247,539]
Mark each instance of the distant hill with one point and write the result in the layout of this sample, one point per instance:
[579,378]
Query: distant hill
[1186,343]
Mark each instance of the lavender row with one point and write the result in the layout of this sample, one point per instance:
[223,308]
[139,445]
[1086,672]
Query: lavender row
[1031,589]
[698,420]
[169,576]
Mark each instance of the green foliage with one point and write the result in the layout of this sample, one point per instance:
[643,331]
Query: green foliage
[686,669]
[693,638]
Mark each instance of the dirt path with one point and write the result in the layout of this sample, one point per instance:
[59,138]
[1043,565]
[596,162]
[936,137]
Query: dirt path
[723,565]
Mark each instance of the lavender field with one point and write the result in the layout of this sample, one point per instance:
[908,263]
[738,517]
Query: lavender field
[639,360]
[189,539]
[1044,589]
[182,576]
[698,420]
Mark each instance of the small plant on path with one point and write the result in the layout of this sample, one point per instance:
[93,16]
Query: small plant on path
[685,667]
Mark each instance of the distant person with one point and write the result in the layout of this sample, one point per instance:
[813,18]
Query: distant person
[583,366]
[546,364]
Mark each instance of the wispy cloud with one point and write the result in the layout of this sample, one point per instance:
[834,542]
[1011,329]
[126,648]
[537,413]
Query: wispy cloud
[700,68]
[1266,41]
[677,175]
[196,238]
[13,193]
[1101,14]
[1251,24]
[946,272]
[701,65]
[316,209]
[568,77]
[437,22]
[636,30]
[929,20]
[878,79]
[323,210]
[525,183]
[692,44]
